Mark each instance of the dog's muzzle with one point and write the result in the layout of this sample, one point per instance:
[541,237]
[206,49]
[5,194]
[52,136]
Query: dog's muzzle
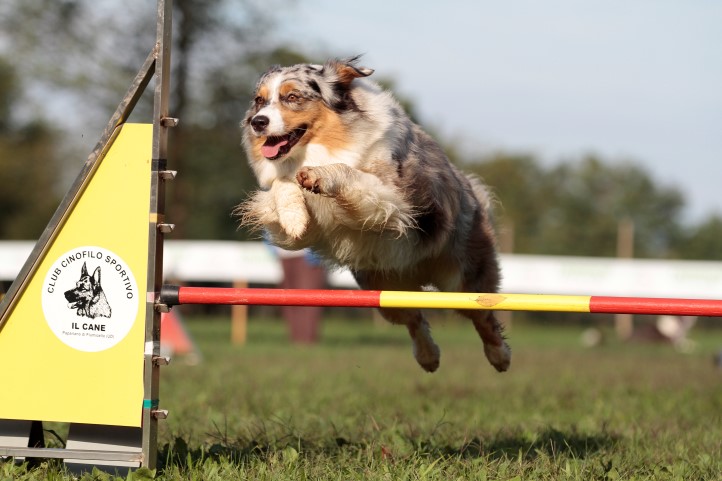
[277,146]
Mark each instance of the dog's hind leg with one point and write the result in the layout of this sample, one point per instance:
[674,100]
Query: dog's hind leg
[479,272]
[489,329]
[426,352]
[486,324]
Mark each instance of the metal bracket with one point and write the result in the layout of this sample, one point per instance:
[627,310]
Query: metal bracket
[161,360]
[159,413]
[162,307]
[167,174]
[169,121]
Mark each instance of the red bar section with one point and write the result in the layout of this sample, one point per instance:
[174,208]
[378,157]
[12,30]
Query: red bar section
[278,297]
[656,306]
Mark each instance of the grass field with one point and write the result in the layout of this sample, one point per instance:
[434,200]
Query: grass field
[357,407]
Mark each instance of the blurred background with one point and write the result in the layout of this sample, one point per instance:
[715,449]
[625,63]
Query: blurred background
[581,117]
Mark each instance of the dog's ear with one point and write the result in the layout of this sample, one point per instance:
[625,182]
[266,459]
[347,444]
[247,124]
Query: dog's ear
[96,276]
[84,270]
[347,70]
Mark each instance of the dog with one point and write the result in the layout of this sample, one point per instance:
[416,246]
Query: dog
[88,296]
[345,172]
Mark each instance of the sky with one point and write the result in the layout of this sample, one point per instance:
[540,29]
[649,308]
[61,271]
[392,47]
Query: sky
[637,80]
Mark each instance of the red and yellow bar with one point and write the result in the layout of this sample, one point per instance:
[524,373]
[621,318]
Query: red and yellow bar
[174,295]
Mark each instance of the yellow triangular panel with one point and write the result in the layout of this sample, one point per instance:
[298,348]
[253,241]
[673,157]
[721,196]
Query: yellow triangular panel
[72,348]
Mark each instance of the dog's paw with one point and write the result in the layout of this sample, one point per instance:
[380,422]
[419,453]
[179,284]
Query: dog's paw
[293,221]
[498,356]
[290,206]
[263,213]
[428,356]
[257,211]
[310,178]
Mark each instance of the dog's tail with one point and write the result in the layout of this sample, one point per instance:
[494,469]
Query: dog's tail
[483,194]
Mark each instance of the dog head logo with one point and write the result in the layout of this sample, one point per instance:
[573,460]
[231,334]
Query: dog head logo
[88,296]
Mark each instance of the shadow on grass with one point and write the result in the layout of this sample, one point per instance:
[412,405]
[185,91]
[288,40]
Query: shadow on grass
[550,442]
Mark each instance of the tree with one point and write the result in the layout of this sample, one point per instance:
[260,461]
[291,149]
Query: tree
[28,167]
[593,196]
[703,242]
[575,207]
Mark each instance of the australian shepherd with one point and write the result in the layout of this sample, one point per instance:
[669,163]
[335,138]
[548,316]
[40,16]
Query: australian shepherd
[345,172]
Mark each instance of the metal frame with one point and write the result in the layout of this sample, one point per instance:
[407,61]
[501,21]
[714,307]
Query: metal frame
[156,227]
[156,64]
[86,454]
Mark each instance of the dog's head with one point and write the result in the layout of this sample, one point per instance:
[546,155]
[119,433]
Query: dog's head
[293,105]
[86,289]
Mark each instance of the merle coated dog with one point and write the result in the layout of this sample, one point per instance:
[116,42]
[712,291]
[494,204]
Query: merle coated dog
[345,172]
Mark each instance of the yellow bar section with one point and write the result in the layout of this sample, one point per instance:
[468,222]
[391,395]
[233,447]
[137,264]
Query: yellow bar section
[492,301]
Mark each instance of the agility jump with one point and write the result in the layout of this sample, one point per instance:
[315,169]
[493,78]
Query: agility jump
[177,295]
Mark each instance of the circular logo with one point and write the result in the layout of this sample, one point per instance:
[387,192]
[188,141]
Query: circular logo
[90,298]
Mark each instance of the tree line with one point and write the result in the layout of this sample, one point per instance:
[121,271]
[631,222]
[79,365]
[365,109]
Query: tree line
[73,59]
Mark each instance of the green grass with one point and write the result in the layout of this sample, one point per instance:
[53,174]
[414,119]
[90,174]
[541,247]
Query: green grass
[357,407]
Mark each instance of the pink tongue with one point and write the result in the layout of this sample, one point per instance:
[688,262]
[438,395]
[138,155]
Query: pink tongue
[270,151]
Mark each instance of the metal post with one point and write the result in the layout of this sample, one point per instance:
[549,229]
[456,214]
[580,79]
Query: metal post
[156,228]
[624,323]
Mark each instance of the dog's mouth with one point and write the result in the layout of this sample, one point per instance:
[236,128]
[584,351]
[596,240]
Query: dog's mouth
[276,146]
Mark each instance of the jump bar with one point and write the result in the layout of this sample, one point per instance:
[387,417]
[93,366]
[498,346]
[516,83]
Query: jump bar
[175,295]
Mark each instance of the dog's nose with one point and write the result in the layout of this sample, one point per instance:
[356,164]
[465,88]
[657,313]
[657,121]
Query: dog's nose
[259,122]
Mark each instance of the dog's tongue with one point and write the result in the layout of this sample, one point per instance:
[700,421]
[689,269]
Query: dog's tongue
[270,151]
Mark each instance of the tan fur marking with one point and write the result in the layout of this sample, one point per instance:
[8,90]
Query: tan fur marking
[327,129]
[262,92]
[333,133]
[347,73]
[287,87]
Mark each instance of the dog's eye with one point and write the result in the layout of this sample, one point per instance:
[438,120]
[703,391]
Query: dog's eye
[259,100]
[292,98]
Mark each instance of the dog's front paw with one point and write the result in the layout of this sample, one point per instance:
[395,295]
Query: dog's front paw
[310,178]
[290,207]
[293,221]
